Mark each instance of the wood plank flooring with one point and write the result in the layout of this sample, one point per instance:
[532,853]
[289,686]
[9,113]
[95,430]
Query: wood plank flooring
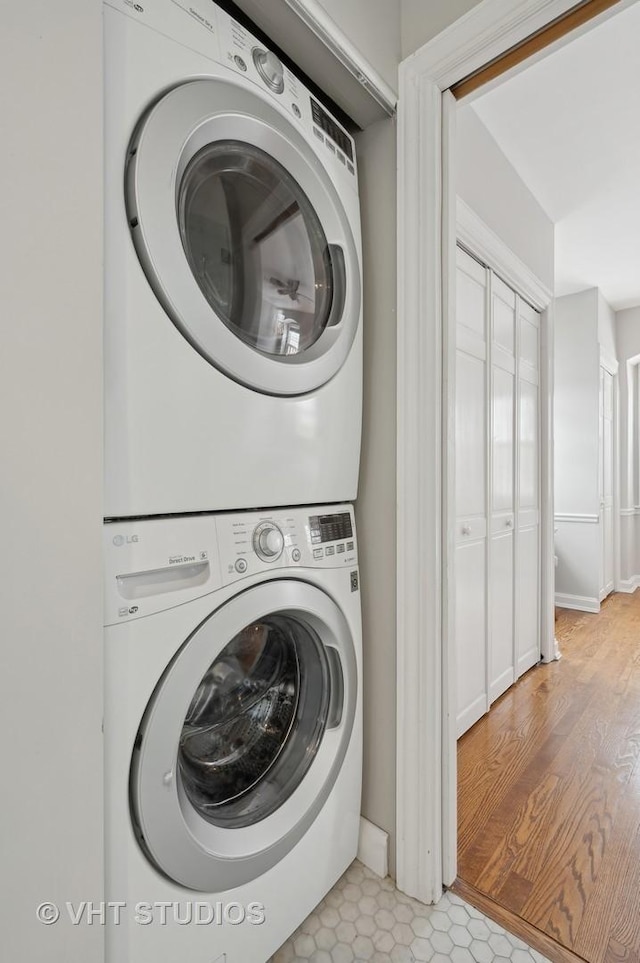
[549,790]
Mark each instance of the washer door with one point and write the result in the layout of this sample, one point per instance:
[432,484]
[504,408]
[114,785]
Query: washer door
[244,736]
[243,237]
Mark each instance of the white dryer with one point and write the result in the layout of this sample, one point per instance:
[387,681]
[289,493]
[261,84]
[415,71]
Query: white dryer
[233,337]
[233,732]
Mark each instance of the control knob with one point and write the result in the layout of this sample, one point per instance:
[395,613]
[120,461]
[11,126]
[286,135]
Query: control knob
[268,542]
[270,69]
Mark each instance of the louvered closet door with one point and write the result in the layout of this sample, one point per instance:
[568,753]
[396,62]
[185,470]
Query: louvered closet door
[471,490]
[528,490]
[501,519]
[497,559]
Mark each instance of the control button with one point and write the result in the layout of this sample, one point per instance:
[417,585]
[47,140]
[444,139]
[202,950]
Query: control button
[241,566]
[239,62]
[296,110]
[296,555]
[341,158]
[340,548]
[350,167]
[268,541]
[349,546]
[269,68]
[332,147]
[318,134]
[318,552]
[330,550]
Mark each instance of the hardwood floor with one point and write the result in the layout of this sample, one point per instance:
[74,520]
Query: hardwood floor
[549,790]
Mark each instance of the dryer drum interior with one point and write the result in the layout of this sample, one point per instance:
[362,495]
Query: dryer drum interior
[257,249]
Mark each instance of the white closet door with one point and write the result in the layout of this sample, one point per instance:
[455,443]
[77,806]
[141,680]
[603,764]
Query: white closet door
[501,498]
[471,490]
[606,481]
[527,619]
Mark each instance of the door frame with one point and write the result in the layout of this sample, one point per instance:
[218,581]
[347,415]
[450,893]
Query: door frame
[426,757]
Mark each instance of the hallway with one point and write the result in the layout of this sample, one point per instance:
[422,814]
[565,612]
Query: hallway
[549,793]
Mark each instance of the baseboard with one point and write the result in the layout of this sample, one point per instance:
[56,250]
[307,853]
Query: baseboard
[373,848]
[582,603]
[628,585]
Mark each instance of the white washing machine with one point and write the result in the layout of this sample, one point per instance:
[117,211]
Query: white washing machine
[233,732]
[232,272]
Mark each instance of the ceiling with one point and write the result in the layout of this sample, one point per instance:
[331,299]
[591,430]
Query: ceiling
[570,125]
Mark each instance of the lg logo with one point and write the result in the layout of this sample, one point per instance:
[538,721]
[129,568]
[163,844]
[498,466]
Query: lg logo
[119,540]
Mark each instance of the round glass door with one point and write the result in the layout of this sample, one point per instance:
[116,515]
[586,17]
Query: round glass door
[243,237]
[256,247]
[255,722]
[245,736]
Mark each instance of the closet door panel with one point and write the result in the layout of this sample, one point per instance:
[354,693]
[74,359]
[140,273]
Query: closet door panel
[470,625]
[528,593]
[471,436]
[471,444]
[501,672]
[502,447]
[528,446]
[527,567]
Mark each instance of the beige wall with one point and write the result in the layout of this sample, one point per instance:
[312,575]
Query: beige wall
[422,20]
[376,505]
[486,180]
[50,435]
[373,26]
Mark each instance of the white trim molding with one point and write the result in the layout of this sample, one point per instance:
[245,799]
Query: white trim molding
[588,519]
[425,827]
[628,585]
[579,602]
[373,847]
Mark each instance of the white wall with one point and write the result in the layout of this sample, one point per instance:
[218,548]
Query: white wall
[50,564]
[577,362]
[627,325]
[584,326]
[422,21]
[375,509]
[606,328]
[488,183]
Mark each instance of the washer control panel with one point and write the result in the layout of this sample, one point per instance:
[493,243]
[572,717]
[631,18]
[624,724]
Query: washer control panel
[154,564]
[268,541]
[254,542]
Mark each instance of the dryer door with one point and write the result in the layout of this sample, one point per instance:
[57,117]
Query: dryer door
[244,736]
[243,237]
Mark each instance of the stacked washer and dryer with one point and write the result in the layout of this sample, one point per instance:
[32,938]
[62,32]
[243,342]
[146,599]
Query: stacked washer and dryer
[233,372]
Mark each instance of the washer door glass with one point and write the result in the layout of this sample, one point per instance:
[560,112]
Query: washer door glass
[256,247]
[255,722]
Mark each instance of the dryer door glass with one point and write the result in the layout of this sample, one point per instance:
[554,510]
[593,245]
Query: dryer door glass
[256,722]
[256,247]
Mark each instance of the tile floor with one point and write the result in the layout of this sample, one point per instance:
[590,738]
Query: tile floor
[365,918]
